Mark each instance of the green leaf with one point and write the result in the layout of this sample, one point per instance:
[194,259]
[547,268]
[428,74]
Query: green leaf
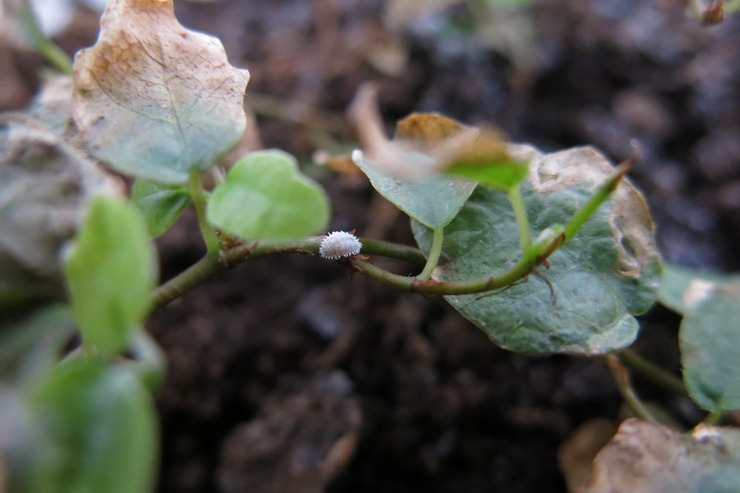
[433,201]
[96,431]
[265,196]
[650,457]
[709,339]
[501,175]
[154,99]
[111,272]
[676,280]
[30,341]
[160,205]
[583,303]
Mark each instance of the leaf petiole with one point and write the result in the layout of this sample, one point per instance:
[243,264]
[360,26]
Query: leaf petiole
[520,214]
[434,253]
[198,196]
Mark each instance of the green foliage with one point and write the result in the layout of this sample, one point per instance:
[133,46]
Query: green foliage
[94,431]
[433,201]
[265,196]
[111,272]
[587,311]
[160,205]
[676,280]
[710,340]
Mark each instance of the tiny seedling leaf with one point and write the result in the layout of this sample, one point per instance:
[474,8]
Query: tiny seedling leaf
[154,99]
[709,338]
[95,430]
[584,302]
[266,196]
[111,272]
[160,205]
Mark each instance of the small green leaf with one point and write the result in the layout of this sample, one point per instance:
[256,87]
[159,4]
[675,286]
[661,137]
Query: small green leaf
[583,303]
[709,338]
[676,280]
[486,159]
[96,431]
[111,272]
[265,196]
[433,201]
[501,175]
[160,205]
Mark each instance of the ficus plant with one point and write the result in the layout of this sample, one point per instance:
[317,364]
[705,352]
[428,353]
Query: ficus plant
[546,253]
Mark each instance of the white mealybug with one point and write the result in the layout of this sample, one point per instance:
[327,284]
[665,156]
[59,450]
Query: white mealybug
[339,244]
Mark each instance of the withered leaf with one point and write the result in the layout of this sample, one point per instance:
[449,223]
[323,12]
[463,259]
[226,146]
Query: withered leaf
[154,99]
[45,188]
[647,458]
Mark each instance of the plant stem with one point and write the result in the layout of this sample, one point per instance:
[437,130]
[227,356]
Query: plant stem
[521,269]
[212,265]
[598,198]
[520,214]
[199,202]
[732,6]
[651,371]
[434,254]
[714,417]
[624,385]
[36,38]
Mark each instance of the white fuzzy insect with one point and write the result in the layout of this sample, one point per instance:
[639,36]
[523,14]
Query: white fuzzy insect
[339,244]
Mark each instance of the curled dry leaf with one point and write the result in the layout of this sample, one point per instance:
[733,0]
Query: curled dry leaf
[45,187]
[423,145]
[154,99]
[647,458]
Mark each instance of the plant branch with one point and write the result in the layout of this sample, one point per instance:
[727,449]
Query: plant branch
[520,270]
[624,385]
[36,38]
[651,371]
[211,266]
[599,196]
[434,252]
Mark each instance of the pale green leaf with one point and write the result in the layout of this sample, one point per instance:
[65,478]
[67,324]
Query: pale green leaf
[160,205]
[266,196]
[710,338]
[432,201]
[111,272]
[676,280]
[154,99]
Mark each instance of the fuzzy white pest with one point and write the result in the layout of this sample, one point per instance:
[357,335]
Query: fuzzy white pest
[339,244]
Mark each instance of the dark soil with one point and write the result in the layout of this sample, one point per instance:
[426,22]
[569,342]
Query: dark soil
[290,375]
